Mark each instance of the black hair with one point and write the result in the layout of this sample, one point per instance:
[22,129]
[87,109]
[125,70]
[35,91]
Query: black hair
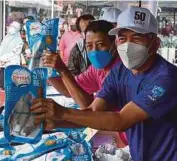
[83,17]
[31,18]
[101,26]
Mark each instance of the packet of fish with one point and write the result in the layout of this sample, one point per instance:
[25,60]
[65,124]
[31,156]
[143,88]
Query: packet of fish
[42,36]
[22,86]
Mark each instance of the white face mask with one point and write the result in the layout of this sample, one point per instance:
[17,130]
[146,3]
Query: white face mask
[133,55]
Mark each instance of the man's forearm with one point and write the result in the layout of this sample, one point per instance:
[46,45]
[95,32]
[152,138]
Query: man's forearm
[67,124]
[109,121]
[77,93]
[59,86]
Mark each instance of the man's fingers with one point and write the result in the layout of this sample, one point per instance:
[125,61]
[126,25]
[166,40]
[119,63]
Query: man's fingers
[37,100]
[36,105]
[39,109]
[40,103]
[49,65]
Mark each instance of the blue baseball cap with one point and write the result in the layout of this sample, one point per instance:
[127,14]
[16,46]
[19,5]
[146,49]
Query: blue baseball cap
[137,19]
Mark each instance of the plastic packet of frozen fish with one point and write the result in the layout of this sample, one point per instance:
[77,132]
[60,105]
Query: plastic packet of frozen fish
[75,134]
[35,42]
[74,152]
[58,155]
[81,151]
[48,144]
[3,141]
[1,122]
[22,86]
[42,36]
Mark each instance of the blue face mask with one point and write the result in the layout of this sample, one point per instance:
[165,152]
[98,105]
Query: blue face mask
[99,59]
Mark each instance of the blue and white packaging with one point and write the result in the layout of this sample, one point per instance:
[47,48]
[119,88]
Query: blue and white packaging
[3,142]
[21,87]
[47,144]
[74,152]
[42,36]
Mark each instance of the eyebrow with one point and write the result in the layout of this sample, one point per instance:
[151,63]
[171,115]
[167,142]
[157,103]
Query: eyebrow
[136,34]
[95,42]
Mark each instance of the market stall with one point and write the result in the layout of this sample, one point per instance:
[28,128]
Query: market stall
[66,144]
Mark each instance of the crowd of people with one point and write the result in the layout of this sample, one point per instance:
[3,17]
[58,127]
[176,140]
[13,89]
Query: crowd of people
[111,68]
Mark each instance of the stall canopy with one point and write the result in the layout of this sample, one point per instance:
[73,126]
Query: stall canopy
[97,3]
[168,6]
[44,4]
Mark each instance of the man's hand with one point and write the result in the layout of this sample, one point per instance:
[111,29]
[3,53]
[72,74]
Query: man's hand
[53,61]
[47,111]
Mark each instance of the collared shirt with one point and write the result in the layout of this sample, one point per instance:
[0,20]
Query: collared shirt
[92,79]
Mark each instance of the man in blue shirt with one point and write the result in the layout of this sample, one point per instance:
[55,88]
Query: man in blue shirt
[143,86]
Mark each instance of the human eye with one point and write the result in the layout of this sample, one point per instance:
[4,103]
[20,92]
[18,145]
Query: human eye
[100,45]
[137,38]
[121,39]
[88,47]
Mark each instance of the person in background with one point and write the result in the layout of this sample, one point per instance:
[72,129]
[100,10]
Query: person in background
[26,51]
[68,40]
[142,85]
[110,14]
[78,61]
[12,44]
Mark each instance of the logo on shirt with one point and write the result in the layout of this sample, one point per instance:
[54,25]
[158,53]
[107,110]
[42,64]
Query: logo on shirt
[156,93]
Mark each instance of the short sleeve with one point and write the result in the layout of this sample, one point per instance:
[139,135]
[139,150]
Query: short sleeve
[157,98]
[109,89]
[87,80]
[62,43]
[73,61]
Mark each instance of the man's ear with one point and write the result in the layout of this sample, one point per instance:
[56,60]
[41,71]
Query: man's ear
[155,45]
[158,42]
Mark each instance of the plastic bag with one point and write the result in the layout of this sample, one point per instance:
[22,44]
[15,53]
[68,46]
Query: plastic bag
[21,87]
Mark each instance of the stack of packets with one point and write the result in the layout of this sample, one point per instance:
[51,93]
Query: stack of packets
[60,146]
[22,86]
